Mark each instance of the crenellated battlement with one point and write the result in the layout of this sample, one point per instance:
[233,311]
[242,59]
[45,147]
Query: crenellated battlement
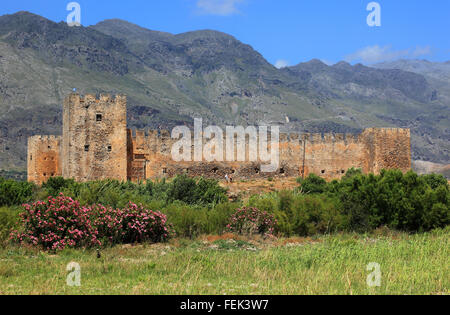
[106,100]
[316,138]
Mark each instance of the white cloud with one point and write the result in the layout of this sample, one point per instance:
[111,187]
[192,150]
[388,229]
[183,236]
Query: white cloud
[421,51]
[281,63]
[327,62]
[218,7]
[374,54]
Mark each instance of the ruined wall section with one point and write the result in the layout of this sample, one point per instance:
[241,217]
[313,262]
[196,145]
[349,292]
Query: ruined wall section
[44,158]
[94,137]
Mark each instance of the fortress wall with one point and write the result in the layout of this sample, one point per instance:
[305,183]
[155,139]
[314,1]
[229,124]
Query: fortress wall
[44,160]
[331,155]
[327,155]
[94,137]
[96,145]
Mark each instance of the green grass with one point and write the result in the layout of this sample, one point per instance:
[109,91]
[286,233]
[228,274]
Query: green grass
[410,264]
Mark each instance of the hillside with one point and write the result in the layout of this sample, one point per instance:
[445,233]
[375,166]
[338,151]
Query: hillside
[170,79]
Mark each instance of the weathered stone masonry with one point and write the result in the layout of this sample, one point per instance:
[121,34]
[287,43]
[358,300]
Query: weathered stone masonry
[96,144]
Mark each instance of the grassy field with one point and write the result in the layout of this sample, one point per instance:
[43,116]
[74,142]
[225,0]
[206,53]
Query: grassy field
[410,264]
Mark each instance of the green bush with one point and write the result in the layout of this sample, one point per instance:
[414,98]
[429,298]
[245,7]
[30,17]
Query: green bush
[310,215]
[405,202]
[313,184]
[55,185]
[267,202]
[195,191]
[187,221]
[299,214]
[192,221]
[360,203]
[9,220]
[13,193]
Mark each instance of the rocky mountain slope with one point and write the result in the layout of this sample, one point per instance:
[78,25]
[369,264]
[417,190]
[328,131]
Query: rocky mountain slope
[169,79]
[437,73]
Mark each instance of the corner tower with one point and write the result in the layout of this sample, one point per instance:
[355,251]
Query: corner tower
[94,142]
[387,148]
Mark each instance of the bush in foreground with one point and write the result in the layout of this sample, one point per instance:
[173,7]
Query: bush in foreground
[56,224]
[133,224]
[62,222]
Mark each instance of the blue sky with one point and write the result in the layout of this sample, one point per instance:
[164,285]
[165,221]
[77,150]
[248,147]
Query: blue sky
[285,32]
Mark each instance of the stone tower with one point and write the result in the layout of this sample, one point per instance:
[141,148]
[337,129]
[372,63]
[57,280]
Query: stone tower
[94,144]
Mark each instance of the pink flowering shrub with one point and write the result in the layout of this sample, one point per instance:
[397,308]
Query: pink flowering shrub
[56,224]
[250,221]
[133,224]
[61,222]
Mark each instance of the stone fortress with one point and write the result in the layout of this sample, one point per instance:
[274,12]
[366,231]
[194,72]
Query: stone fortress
[96,144]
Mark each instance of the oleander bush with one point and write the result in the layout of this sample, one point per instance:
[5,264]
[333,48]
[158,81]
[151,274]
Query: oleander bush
[56,224]
[133,224]
[62,222]
[252,221]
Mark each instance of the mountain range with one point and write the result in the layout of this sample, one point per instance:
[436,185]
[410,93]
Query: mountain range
[170,79]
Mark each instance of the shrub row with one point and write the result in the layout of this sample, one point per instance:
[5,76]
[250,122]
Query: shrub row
[62,222]
[407,202]
[358,202]
[193,191]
